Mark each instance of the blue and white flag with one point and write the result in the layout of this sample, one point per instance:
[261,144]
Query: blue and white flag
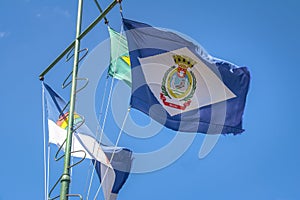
[85,145]
[181,86]
[121,161]
[83,138]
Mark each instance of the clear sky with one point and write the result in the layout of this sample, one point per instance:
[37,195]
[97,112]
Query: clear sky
[262,163]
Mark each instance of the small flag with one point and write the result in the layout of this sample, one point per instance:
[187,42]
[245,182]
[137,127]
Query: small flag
[84,144]
[83,139]
[119,67]
[181,86]
[121,161]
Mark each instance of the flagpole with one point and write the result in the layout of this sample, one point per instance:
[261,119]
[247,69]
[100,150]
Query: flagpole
[82,35]
[66,179]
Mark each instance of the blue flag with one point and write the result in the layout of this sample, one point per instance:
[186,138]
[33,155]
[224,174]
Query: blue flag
[121,161]
[181,86]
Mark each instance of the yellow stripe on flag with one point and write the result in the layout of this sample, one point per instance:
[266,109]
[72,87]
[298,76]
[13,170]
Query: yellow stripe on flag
[126,59]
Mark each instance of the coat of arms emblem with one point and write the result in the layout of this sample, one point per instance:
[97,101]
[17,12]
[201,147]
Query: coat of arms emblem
[179,83]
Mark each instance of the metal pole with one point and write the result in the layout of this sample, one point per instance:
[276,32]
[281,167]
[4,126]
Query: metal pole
[101,11]
[86,31]
[66,179]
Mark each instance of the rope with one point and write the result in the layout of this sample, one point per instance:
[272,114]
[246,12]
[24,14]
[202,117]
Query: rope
[46,158]
[103,125]
[44,138]
[97,135]
[110,91]
[102,129]
[111,86]
[100,133]
[104,121]
[71,164]
[48,170]
[112,156]
[121,10]
[106,110]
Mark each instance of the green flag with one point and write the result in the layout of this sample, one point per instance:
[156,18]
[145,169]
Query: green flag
[119,67]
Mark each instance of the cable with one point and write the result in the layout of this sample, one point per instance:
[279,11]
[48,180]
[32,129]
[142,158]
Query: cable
[112,156]
[104,122]
[97,134]
[48,170]
[102,129]
[44,135]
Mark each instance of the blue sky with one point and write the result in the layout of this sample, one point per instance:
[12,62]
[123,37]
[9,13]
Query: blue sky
[262,163]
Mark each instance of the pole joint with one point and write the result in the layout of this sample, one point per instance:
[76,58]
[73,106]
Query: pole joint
[65,178]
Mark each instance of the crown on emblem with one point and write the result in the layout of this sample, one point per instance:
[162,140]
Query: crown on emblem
[184,61]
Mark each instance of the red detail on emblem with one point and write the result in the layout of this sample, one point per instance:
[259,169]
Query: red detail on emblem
[181,72]
[173,105]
